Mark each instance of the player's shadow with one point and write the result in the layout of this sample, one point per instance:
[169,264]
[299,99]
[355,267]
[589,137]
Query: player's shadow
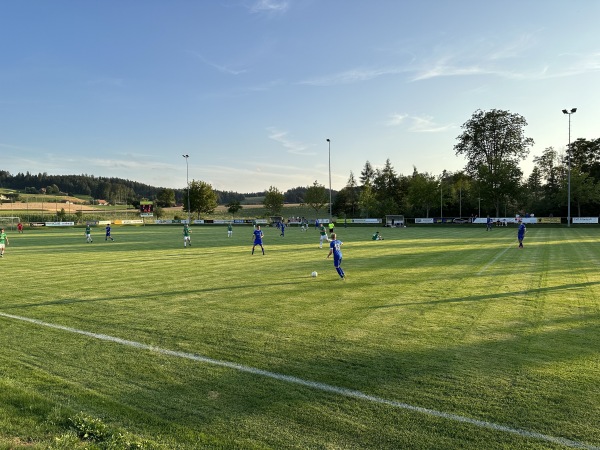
[476,298]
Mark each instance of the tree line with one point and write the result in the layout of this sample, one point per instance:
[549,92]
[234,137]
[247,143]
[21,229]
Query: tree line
[493,143]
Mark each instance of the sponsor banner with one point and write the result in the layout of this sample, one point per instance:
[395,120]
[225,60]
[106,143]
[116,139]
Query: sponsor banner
[548,219]
[483,220]
[37,224]
[104,222]
[222,222]
[364,220]
[241,221]
[261,221]
[146,214]
[60,224]
[423,220]
[129,222]
[196,221]
[585,220]
[91,223]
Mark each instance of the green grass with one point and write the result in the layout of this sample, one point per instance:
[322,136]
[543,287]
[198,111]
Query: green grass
[453,319]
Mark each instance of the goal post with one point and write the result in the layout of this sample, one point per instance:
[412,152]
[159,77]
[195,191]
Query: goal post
[9,222]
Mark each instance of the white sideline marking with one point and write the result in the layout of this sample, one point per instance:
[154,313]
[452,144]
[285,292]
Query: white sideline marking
[315,385]
[494,260]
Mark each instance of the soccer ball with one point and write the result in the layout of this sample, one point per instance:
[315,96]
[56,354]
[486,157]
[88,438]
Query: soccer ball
[314,274]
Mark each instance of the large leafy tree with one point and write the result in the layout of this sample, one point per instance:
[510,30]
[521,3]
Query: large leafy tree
[316,196]
[273,201]
[166,198]
[203,200]
[494,143]
[423,192]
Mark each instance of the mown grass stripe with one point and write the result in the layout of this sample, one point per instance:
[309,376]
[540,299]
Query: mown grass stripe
[313,384]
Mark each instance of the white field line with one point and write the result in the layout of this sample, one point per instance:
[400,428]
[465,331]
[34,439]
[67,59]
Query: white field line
[314,385]
[498,256]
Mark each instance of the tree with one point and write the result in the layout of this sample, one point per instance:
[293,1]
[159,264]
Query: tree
[273,201]
[166,198]
[493,142]
[367,200]
[203,200]
[316,197]
[423,192]
[367,175]
[233,207]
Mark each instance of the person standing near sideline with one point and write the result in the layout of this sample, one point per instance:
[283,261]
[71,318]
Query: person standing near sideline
[488,224]
[229,230]
[20,227]
[258,237]
[88,233]
[335,248]
[521,234]
[187,239]
[3,242]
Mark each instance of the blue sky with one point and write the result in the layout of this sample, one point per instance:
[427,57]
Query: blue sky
[251,89]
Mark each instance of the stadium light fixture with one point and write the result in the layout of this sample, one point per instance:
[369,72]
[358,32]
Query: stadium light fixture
[187,179]
[573,111]
[329,145]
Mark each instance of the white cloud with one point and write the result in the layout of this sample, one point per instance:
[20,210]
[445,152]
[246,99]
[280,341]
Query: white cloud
[269,6]
[294,147]
[418,124]
[219,67]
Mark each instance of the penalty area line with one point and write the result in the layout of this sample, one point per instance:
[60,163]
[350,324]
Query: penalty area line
[496,258]
[350,393]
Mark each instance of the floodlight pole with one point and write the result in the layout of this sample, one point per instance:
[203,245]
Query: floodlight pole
[573,111]
[187,179]
[329,145]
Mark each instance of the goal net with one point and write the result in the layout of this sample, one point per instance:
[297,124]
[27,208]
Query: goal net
[9,223]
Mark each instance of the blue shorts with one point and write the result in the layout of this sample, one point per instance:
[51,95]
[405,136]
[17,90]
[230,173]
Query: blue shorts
[337,261]
[257,241]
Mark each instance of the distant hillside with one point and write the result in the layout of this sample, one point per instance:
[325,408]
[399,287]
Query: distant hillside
[117,189]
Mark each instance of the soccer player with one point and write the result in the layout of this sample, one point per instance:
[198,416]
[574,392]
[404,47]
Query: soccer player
[108,236]
[322,235]
[282,228]
[335,248]
[377,236]
[521,234]
[258,237]
[88,233]
[3,242]
[187,239]
[20,227]
[488,224]
[229,230]
[331,227]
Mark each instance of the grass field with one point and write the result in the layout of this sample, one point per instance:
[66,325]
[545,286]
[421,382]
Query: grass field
[441,338]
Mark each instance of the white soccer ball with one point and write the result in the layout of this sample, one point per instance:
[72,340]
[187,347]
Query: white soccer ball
[314,274]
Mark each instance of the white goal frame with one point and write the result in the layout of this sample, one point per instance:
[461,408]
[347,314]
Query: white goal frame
[9,222]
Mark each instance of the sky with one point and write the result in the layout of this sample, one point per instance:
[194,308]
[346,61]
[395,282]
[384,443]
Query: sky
[252,89]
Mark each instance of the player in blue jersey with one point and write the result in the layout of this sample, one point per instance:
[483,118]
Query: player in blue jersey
[521,234]
[282,229]
[108,236]
[258,237]
[335,248]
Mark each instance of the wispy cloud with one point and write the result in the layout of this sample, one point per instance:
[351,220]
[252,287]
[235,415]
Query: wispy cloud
[294,147]
[352,76]
[221,68]
[269,6]
[418,124]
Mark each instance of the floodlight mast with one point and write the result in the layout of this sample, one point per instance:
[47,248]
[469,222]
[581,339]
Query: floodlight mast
[187,178]
[573,111]
[330,206]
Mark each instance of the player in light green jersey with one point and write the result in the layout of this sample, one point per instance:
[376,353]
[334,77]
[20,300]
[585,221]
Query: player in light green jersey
[88,233]
[3,242]
[187,239]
